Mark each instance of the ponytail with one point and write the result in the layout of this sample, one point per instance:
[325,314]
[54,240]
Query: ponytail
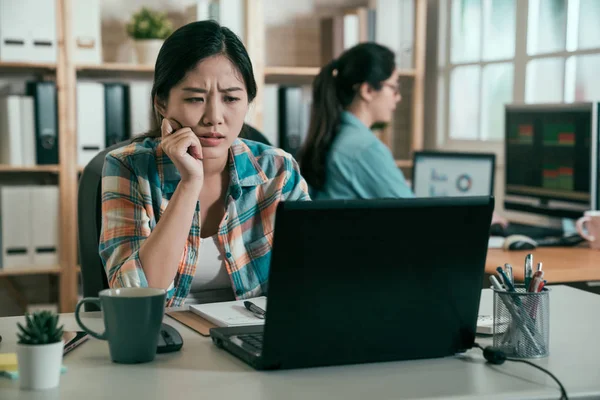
[323,127]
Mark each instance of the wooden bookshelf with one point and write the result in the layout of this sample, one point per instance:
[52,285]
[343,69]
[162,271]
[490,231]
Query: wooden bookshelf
[409,73]
[111,68]
[404,163]
[15,66]
[41,270]
[279,74]
[33,168]
[310,72]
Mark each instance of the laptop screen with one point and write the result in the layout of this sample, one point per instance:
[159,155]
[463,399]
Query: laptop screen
[453,174]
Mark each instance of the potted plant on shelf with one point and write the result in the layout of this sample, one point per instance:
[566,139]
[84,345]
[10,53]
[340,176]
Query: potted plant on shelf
[40,351]
[148,29]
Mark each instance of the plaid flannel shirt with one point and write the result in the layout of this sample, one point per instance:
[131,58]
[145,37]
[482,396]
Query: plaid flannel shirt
[138,181]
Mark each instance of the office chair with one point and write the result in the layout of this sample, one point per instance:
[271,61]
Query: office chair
[251,133]
[89,218]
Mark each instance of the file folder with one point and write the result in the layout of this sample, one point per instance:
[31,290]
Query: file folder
[44,224]
[90,121]
[140,107]
[41,22]
[15,44]
[11,152]
[16,219]
[46,127]
[291,113]
[28,131]
[86,31]
[116,100]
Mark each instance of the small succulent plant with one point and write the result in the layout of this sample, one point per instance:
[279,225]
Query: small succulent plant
[41,328]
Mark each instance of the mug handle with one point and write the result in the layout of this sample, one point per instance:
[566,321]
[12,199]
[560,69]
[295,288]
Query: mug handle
[580,228]
[95,300]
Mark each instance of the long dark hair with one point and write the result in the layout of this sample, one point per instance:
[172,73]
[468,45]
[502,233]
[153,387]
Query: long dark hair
[189,45]
[334,89]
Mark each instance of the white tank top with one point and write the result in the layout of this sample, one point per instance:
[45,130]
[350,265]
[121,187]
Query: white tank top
[211,281]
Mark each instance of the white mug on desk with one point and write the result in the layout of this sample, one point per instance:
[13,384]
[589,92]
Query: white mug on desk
[590,222]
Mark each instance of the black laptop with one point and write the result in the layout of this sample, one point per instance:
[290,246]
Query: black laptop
[368,281]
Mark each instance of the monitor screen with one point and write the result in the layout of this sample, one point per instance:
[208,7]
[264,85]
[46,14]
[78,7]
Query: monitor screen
[441,174]
[551,159]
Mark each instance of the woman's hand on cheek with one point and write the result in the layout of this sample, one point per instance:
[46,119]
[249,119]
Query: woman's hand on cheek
[184,149]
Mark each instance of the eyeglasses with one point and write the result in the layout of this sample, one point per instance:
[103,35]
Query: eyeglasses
[395,88]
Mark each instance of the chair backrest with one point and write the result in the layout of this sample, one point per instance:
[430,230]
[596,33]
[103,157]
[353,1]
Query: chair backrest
[89,220]
[89,215]
[251,133]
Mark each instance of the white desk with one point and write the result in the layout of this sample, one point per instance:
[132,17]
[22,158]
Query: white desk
[204,371]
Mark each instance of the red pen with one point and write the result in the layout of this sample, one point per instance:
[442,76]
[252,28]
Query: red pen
[541,286]
[538,277]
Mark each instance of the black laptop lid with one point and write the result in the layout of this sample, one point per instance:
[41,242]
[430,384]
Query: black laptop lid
[375,280]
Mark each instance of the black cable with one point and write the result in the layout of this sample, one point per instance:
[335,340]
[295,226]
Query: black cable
[497,357]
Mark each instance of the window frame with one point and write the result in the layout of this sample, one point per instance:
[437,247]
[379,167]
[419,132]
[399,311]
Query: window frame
[520,61]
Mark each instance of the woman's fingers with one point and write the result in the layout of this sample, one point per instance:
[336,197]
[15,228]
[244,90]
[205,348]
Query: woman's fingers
[195,149]
[168,126]
[165,128]
[186,141]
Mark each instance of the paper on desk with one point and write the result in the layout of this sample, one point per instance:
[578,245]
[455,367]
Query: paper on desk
[496,242]
[230,313]
[8,361]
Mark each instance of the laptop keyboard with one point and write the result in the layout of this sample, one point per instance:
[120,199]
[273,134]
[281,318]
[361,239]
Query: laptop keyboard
[254,339]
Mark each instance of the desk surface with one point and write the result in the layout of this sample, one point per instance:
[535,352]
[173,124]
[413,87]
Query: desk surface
[201,369]
[561,264]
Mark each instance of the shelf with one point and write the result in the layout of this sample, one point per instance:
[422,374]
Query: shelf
[407,72]
[404,163]
[290,74]
[306,74]
[33,168]
[19,65]
[114,68]
[17,271]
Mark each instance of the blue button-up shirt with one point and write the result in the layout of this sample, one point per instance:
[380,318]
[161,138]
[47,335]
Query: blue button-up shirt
[360,166]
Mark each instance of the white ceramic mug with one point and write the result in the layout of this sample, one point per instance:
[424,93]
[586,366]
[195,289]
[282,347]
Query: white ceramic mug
[590,222]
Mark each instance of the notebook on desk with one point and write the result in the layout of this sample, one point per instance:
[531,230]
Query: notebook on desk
[230,313]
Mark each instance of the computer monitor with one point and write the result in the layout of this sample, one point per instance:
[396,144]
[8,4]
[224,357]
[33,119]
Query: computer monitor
[551,158]
[449,174]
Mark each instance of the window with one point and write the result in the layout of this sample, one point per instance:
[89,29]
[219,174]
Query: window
[494,52]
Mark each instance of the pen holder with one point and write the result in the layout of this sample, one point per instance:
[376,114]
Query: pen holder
[521,322]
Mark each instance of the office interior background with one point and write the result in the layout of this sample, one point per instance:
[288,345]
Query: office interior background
[73,81]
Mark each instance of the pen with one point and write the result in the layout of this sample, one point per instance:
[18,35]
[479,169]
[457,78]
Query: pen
[539,268]
[509,273]
[537,277]
[496,284]
[507,281]
[528,269]
[500,278]
[256,310]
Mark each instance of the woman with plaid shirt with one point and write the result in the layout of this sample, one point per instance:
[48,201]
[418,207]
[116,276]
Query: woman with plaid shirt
[190,208]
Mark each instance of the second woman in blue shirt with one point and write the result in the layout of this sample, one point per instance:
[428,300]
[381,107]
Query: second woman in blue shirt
[342,158]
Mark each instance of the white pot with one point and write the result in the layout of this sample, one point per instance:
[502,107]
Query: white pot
[147,50]
[39,365]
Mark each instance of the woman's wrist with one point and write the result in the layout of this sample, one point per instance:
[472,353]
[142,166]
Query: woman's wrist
[191,185]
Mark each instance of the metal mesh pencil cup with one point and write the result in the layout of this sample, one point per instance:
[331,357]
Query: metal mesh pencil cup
[522,323]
